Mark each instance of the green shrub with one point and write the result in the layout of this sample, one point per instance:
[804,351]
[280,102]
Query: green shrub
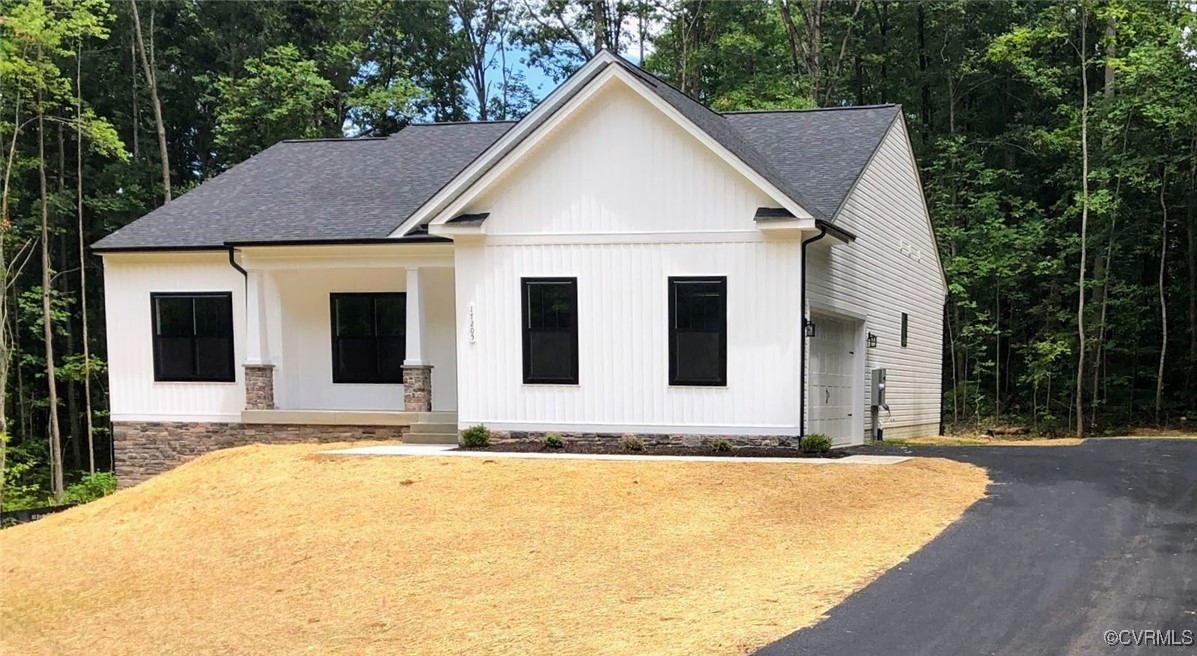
[91,487]
[815,443]
[553,441]
[717,444]
[631,443]
[475,437]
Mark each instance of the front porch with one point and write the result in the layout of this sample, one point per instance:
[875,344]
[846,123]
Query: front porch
[351,335]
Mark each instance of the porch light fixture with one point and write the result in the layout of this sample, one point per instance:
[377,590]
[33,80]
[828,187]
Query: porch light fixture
[872,340]
[809,327]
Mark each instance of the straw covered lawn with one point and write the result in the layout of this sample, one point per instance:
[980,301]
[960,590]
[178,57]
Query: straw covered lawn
[278,550]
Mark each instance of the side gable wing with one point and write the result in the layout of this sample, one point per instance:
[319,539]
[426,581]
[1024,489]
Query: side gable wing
[887,203]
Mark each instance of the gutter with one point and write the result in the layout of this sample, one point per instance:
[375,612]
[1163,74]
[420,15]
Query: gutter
[244,275]
[823,227]
[233,263]
[834,231]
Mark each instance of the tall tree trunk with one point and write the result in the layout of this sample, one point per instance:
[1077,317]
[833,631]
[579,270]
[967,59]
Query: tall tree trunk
[1191,254]
[997,349]
[6,274]
[87,423]
[152,81]
[925,95]
[1099,363]
[1159,377]
[136,117]
[1080,310]
[72,436]
[47,323]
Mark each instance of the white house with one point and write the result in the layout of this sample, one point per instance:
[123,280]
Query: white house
[622,260]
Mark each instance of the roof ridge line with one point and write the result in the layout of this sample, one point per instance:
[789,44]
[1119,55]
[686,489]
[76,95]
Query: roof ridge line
[435,123]
[810,109]
[328,139]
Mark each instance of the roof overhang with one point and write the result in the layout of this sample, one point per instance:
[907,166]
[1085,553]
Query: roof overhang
[602,70]
[780,222]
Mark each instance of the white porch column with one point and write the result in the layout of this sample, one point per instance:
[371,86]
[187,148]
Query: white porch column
[417,372]
[257,343]
[415,321]
[259,369]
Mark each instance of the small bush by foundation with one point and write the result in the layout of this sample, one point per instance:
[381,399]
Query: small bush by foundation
[475,437]
[815,443]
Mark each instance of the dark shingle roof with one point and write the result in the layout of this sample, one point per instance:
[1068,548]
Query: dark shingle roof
[717,126]
[311,190]
[362,189]
[821,151]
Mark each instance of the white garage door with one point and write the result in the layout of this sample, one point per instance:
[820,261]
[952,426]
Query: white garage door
[832,373]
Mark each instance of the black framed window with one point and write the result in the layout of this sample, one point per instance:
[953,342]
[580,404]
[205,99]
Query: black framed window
[369,334]
[698,331]
[905,328]
[550,326]
[193,336]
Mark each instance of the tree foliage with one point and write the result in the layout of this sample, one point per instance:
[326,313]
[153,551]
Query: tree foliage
[993,93]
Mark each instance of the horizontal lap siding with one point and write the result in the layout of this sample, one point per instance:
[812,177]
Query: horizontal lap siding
[128,282]
[891,268]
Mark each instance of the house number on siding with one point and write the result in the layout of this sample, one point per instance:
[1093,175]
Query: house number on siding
[473,337]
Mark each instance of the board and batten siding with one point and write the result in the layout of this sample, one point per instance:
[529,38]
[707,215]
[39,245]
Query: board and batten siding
[623,199]
[891,268]
[134,395]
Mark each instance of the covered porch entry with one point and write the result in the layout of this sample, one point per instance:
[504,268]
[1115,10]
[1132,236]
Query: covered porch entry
[351,334]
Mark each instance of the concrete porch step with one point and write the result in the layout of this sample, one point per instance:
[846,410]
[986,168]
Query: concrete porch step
[430,438]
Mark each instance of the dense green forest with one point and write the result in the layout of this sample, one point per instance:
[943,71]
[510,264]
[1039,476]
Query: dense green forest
[1057,141]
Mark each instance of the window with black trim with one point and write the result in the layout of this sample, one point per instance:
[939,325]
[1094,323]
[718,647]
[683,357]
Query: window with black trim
[698,331]
[905,328]
[369,334]
[550,326]
[193,337]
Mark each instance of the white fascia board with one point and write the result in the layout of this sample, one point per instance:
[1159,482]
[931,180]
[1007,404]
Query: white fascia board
[354,256]
[458,233]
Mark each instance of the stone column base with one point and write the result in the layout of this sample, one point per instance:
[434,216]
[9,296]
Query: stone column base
[417,388]
[259,387]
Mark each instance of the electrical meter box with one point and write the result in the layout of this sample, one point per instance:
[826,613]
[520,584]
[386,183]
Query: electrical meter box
[877,395]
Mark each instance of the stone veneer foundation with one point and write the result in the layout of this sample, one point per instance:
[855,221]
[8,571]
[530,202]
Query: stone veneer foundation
[145,449]
[649,439]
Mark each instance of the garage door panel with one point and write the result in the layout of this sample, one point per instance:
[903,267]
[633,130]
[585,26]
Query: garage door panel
[832,379]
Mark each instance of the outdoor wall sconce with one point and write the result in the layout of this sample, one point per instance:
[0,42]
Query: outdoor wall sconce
[872,340]
[810,328]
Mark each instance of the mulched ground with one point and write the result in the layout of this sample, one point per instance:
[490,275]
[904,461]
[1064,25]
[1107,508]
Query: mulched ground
[748,451]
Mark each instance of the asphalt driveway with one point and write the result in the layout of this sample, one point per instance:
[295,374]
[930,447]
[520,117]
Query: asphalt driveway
[1071,542]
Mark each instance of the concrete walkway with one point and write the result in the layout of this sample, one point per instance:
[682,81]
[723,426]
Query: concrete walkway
[449,450]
